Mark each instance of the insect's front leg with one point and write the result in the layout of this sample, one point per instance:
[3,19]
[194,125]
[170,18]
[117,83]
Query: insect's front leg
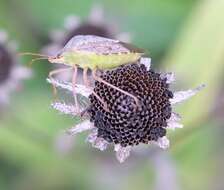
[99,79]
[55,72]
[85,77]
[74,81]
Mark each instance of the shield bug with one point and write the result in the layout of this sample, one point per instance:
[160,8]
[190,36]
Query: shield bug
[97,54]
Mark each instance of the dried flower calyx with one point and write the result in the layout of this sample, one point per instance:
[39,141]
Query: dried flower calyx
[124,124]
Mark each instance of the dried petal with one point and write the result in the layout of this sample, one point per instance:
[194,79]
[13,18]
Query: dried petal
[163,142]
[169,77]
[180,96]
[122,153]
[81,89]
[84,126]
[97,142]
[146,61]
[64,108]
[173,122]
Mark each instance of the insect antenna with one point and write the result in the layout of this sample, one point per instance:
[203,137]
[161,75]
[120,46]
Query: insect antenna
[36,59]
[34,54]
[39,57]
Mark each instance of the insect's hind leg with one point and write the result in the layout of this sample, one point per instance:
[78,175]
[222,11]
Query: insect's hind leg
[55,72]
[99,79]
[87,83]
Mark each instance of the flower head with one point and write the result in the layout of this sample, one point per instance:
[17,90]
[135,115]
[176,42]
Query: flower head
[11,73]
[125,124]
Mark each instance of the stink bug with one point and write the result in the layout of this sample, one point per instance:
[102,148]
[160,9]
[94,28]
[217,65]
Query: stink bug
[95,53]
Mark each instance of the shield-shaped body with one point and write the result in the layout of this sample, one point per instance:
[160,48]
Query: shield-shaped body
[94,52]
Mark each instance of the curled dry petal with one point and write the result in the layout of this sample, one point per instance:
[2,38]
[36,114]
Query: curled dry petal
[97,142]
[81,89]
[163,142]
[122,153]
[64,108]
[170,77]
[184,95]
[84,126]
[146,61]
[173,122]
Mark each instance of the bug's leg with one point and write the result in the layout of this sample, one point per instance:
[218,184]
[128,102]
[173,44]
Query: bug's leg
[85,77]
[97,78]
[54,72]
[87,83]
[105,107]
[74,80]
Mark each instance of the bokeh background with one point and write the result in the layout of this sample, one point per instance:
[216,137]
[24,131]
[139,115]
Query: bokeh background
[185,37]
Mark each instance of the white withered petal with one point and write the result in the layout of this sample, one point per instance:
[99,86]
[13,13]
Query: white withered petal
[173,121]
[81,127]
[163,142]
[97,142]
[80,89]
[64,108]
[122,153]
[170,77]
[181,96]
[146,61]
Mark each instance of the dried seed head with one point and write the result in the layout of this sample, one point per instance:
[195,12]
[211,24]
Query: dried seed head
[6,63]
[124,124]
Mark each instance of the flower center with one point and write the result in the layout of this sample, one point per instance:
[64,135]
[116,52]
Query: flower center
[123,124]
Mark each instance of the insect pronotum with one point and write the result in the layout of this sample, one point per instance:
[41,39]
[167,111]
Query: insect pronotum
[95,53]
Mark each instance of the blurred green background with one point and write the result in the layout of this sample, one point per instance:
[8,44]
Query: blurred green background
[185,37]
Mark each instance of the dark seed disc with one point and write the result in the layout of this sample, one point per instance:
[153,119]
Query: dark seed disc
[126,123]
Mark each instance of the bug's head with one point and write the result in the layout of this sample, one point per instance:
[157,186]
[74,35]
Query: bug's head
[59,58]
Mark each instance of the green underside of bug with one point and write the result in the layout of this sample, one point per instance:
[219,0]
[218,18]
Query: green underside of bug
[99,61]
